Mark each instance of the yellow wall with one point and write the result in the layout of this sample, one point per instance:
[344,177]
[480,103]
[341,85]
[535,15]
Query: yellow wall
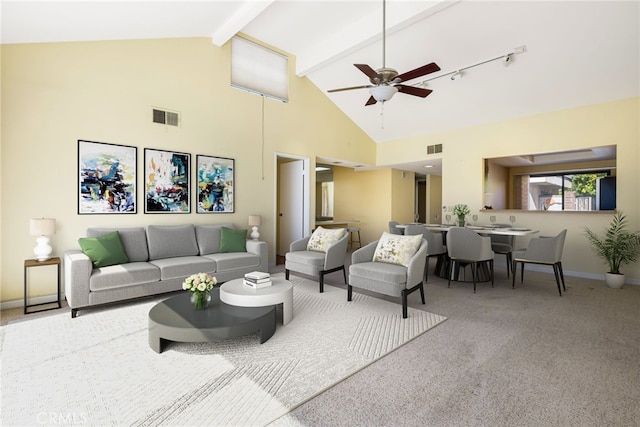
[434,199]
[403,185]
[615,123]
[364,196]
[54,94]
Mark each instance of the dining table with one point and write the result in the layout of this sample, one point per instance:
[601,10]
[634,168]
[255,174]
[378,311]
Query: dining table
[484,274]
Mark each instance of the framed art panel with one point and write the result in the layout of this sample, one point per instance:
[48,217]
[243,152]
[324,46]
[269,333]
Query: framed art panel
[216,177]
[166,181]
[106,178]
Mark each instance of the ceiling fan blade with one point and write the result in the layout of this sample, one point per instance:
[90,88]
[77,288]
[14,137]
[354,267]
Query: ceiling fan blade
[349,88]
[370,72]
[415,91]
[418,72]
[370,101]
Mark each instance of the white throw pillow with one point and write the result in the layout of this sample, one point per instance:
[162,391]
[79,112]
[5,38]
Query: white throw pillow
[323,238]
[396,249]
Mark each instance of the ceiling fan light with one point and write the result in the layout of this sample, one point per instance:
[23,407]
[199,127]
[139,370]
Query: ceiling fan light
[383,93]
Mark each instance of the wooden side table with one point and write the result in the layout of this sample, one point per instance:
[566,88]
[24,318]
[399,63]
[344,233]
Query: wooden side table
[35,263]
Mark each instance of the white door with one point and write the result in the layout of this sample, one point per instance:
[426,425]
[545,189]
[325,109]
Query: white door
[291,215]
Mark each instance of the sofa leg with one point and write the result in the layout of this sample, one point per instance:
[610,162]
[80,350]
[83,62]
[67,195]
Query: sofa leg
[349,292]
[286,274]
[74,313]
[321,282]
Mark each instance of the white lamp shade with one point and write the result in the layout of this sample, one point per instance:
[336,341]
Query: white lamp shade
[383,93]
[42,226]
[255,220]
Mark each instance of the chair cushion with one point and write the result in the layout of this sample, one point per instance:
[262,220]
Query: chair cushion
[233,240]
[312,258]
[323,238]
[397,249]
[104,250]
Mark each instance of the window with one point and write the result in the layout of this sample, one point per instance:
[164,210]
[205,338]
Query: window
[580,191]
[259,70]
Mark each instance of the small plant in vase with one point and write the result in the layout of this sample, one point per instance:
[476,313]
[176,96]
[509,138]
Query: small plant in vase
[461,211]
[617,247]
[200,286]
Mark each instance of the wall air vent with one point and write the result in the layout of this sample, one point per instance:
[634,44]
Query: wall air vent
[169,118]
[434,149]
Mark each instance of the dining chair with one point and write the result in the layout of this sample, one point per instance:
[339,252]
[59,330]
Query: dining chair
[435,245]
[466,246]
[542,250]
[393,229]
[503,245]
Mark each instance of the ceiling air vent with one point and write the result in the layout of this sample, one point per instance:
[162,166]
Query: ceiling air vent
[434,149]
[164,117]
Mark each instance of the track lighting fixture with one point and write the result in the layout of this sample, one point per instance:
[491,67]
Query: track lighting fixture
[506,59]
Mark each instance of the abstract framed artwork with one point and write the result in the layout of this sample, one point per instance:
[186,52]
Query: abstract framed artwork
[216,176]
[106,178]
[166,181]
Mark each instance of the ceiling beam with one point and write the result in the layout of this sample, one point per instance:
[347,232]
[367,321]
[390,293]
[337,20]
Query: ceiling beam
[362,33]
[243,16]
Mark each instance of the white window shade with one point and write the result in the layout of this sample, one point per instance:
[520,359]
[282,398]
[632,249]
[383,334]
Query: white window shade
[260,70]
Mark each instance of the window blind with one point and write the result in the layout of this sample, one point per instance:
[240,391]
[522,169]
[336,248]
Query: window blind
[259,70]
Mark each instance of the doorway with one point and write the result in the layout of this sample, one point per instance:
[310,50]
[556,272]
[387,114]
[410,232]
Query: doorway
[292,202]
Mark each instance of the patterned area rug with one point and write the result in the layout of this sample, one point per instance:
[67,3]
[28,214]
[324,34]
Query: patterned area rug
[98,368]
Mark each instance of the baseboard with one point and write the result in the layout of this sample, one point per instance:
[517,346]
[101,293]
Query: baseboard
[41,299]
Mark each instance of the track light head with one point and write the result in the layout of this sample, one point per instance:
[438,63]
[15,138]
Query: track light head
[456,75]
[507,59]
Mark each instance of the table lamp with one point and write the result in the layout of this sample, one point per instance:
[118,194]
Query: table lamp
[42,227]
[255,221]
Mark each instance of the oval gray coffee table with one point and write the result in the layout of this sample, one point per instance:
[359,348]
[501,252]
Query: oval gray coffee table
[176,319]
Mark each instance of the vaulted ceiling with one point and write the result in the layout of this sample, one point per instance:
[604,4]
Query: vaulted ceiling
[575,52]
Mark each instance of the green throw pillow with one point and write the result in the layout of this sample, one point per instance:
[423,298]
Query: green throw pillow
[233,240]
[104,250]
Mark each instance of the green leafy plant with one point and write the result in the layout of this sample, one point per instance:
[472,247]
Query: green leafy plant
[618,246]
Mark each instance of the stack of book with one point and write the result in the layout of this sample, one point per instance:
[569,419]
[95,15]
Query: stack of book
[257,279]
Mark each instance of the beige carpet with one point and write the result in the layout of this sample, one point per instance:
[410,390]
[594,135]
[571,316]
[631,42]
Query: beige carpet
[522,357]
[98,369]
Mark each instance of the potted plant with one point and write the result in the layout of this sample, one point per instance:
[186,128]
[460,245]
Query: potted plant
[617,247]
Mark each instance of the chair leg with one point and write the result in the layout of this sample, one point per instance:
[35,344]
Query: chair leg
[344,272]
[422,293]
[522,272]
[561,275]
[557,274]
[491,270]
[426,270]
[349,292]
[474,274]
[509,262]
[404,304]
[514,270]
[450,272]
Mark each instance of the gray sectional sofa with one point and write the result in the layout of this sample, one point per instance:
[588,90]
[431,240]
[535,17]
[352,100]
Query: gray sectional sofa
[160,258]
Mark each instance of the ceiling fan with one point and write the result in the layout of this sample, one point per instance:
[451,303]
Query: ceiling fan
[386,82]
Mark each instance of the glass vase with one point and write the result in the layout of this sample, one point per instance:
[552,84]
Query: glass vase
[461,221]
[201,300]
